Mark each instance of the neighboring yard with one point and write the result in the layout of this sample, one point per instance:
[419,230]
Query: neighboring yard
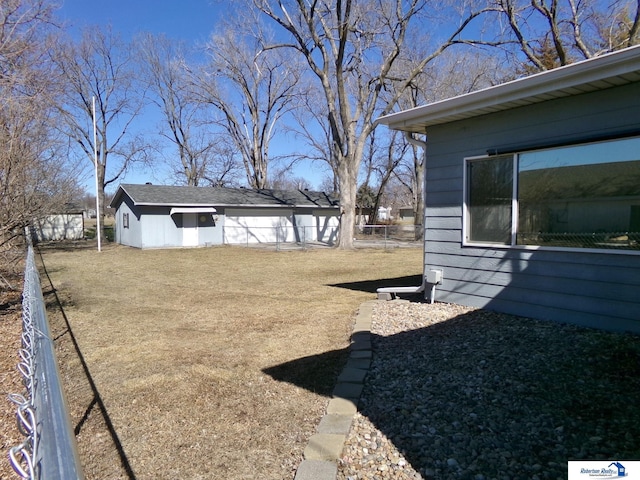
[176,342]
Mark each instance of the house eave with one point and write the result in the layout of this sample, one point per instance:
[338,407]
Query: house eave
[599,73]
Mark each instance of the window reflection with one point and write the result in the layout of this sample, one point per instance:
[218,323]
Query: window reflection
[581,196]
[489,203]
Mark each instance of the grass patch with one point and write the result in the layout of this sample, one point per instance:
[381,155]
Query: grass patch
[177,343]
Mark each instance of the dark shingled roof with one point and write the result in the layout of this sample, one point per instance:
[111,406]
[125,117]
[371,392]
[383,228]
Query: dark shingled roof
[165,195]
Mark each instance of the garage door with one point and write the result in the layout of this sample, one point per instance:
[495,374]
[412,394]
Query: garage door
[243,226]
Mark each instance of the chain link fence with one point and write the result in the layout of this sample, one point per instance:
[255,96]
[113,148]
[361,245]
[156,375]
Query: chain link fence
[389,236]
[49,449]
[606,240]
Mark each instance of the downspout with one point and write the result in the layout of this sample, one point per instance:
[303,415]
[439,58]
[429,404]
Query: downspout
[433,277]
[423,143]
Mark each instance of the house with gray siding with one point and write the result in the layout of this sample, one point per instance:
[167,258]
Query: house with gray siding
[532,202]
[160,216]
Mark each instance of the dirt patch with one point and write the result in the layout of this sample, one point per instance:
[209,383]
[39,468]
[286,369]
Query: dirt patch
[163,353]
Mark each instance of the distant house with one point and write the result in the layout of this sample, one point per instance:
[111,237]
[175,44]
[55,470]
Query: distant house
[66,224]
[533,193]
[406,214]
[158,216]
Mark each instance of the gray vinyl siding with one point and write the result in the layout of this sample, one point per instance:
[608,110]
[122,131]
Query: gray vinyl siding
[128,236]
[593,289]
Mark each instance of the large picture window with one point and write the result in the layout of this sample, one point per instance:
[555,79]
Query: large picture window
[579,196]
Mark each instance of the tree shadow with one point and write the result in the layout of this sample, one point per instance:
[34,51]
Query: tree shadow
[497,395]
[68,245]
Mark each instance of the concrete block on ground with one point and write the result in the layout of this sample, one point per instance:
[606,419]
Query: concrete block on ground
[360,341]
[335,424]
[361,363]
[362,327]
[360,354]
[349,391]
[363,336]
[324,446]
[352,375]
[342,406]
[317,470]
[360,344]
[367,306]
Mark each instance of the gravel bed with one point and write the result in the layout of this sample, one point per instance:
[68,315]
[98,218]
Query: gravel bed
[455,392]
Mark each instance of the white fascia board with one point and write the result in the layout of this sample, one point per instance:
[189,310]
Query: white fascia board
[607,69]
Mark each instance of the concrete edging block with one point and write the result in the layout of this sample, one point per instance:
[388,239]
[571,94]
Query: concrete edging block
[324,446]
[324,449]
[316,470]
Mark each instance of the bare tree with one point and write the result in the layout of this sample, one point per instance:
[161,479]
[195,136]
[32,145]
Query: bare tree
[251,90]
[356,50]
[311,129]
[218,166]
[552,33]
[101,67]
[451,75]
[382,158]
[200,161]
[34,176]
[282,181]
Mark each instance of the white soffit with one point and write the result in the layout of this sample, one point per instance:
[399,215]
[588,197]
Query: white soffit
[598,73]
[175,210]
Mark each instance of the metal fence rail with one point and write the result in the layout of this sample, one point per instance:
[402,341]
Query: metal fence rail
[49,449]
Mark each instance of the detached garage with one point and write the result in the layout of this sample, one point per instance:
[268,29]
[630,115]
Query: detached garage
[159,216]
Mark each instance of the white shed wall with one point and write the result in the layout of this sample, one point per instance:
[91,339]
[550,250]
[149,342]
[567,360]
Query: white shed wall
[65,226]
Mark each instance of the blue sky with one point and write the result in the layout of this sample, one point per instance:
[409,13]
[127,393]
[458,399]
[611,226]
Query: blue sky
[188,20]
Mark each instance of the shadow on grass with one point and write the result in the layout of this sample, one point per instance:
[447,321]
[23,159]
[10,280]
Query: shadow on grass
[502,395]
[70,245]
[316,373]
[371,286]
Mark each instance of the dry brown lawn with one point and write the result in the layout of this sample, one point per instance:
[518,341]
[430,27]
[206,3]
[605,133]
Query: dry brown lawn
[168,356]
